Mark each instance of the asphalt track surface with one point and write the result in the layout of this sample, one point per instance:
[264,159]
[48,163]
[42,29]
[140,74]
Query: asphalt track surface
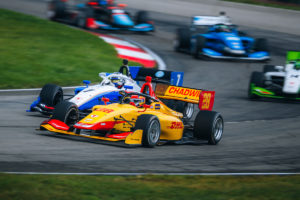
[260,136]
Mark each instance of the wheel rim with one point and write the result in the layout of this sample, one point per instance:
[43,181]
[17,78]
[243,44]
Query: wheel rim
[189,110]
[71,117]
[218,129]
[154,131]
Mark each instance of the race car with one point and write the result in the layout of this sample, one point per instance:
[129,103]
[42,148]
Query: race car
[142,119]
[218,38]
[110,87]
[280,82]
[99,14]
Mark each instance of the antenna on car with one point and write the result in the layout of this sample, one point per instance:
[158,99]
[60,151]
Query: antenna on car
[125,66]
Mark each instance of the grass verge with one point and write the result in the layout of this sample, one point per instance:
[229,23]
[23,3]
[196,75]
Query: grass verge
[269,3]
[34,52]
[149,187]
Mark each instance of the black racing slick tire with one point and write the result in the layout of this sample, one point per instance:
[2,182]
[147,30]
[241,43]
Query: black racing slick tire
[209,125]
[257,78]
[151,129]
[51,95]
[199,45]
[82,17]
[141,17]
[261,44]
[56,9]
[66,112]
[269,68]
[182,40]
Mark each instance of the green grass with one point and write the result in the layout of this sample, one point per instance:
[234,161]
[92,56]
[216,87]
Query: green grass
[269,4]
[149,187]
[34,52]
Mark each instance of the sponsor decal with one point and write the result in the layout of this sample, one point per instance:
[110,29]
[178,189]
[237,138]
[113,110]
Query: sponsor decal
[106,110]
[159,74]
[157,106]
[183,92]
[206,101]
[176,125]
[88,120]
[94,116]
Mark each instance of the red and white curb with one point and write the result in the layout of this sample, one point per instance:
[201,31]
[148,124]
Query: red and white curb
[133,51]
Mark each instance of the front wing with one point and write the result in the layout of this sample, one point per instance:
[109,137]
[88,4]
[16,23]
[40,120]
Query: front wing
[132,139]
[256,56]
[262,92]
[95,24]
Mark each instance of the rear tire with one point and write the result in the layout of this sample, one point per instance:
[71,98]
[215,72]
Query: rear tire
[51,95]
[209,125]
[151,129]
[261,44]
[66,112]
[269,68]
[182,40]
[200,44]
[257,78]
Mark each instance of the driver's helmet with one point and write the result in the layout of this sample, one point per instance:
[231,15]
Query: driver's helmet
[297,65]
[117,81]
[222,28]
[137,100]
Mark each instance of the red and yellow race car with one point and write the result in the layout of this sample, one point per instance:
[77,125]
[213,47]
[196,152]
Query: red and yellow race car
[144,119]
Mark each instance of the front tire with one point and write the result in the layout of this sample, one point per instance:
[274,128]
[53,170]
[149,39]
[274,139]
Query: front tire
[141,17]
[66,112]
[151,129]
[209,125]
[182,40]
[257,78]
[261,44]
[51,94]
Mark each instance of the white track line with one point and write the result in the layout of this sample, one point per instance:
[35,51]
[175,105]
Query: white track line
[168,174]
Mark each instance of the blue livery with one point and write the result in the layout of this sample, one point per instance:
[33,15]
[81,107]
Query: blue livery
[222,42]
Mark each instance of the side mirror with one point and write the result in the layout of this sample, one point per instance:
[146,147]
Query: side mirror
[87,82]
[128,87]
[105,100]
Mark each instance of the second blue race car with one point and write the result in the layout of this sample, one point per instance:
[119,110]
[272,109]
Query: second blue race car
[216,37]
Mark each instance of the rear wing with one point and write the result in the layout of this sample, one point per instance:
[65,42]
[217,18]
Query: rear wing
[204,99]
[158,76]
[293,57]
[210,20]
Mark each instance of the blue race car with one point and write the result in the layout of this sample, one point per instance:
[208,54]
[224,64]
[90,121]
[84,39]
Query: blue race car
[99,14]
[216,37]
[111,89]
